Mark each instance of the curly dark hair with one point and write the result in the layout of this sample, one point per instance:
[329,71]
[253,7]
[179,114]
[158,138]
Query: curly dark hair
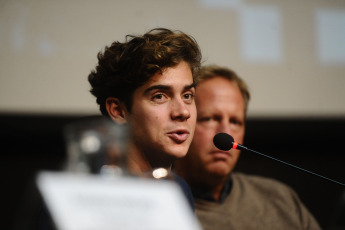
[123,67]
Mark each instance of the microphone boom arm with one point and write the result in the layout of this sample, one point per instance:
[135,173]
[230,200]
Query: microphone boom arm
[241,147]
[225,142]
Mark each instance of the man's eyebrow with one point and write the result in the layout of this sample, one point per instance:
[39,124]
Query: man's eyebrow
[167,87]
[154,87]
[193,85]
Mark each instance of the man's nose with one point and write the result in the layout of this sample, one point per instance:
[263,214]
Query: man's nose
[224,127]
[179,110]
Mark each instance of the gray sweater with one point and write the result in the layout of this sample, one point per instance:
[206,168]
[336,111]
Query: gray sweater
[256,203]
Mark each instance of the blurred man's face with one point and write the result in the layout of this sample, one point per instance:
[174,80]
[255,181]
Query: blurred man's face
[220,108]
[163,114]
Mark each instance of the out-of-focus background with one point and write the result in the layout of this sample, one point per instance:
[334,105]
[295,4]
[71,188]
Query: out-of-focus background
[291,54]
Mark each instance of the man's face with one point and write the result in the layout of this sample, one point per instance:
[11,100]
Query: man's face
[220,108]
[163,114]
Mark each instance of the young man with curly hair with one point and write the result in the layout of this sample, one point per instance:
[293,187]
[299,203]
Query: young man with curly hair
[148,82]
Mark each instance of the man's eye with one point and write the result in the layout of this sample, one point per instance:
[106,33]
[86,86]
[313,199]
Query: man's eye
[235,122]
[159,97]
[204,119]
[188,96]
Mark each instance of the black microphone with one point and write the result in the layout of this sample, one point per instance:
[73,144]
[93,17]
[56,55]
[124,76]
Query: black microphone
[225,142]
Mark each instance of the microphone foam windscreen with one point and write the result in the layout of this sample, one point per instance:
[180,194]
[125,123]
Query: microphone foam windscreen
[223,141]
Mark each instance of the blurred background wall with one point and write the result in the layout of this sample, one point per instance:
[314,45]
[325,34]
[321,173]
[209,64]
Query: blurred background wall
[291,54]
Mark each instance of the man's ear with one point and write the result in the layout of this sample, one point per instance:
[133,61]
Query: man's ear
[116,110]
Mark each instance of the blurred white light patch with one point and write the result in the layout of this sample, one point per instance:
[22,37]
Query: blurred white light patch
[46,47]
[220,4]
[18,35]
[90,143]
[159,173]
[330,29]
[18,38]
[260,31]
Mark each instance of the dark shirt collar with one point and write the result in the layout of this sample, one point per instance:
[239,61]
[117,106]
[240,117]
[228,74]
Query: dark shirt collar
[208,195]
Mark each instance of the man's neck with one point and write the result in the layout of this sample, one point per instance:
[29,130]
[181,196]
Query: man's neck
[138,162]
[217,191]
[210,184]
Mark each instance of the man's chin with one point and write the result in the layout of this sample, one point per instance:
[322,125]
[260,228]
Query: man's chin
[219,169]
[178,151]
[179,155]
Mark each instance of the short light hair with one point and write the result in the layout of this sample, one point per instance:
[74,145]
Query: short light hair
[212,71]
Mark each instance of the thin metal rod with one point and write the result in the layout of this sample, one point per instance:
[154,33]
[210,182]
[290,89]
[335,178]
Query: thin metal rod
[326,178]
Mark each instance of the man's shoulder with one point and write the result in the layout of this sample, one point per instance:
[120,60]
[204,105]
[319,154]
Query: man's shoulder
[262,191]
[185,189]
[260,183]
[251,178]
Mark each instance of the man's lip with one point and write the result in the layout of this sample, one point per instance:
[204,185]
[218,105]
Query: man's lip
[220,154]
[179,135]
[179,131]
